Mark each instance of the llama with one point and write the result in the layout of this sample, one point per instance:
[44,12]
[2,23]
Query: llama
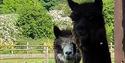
[89,31]
[64,48]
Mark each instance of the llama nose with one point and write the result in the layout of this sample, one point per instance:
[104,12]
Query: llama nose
[68,52]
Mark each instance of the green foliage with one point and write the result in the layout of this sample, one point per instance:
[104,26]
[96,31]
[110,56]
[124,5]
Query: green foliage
[109,19]
[34,19]
[1,1]
[49,4]
[35,22]
[63,5]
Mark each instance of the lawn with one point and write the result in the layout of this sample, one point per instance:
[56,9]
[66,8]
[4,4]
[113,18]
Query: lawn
[26,61]
[36,60]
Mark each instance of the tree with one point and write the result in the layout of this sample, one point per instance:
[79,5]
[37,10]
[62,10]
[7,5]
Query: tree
[49,4]
[33,17]
[1,1]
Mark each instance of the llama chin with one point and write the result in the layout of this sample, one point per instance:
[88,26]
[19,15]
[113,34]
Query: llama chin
[66,59]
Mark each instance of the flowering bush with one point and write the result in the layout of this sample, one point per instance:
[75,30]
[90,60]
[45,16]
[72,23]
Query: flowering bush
[8,30]
[60,19]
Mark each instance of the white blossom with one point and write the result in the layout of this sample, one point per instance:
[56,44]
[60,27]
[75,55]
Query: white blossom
[60,19]
[8,30]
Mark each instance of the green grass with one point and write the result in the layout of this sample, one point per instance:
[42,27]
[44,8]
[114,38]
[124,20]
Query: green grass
[25,61]
[31,61]
[28,61]
[23,41]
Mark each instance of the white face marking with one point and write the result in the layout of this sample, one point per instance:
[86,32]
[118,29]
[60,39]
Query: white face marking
[62,58]
[68,50]
[67,47]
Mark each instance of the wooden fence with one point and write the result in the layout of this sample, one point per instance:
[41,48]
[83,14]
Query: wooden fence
[28,48]
[27,55]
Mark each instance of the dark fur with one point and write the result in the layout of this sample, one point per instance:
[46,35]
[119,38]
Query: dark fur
[89,31]
[57,44]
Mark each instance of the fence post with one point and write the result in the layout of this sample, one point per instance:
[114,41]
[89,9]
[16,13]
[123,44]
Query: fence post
[27,47]
[12,48]
[47,54]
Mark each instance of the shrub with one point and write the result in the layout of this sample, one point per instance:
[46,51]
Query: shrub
[109,19]
[60,19]
[8,28]
[49,4]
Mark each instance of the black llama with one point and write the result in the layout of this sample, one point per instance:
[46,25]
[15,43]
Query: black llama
[64,47]
[89,31]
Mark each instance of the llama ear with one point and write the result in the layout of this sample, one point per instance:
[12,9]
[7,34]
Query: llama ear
[72,4]
[99,3]
[57,31]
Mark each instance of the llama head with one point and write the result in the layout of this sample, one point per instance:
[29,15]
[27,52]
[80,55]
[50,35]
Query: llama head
[85,16]
[64,44]
[86,11]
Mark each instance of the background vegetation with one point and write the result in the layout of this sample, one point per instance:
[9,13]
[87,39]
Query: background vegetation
[33,20]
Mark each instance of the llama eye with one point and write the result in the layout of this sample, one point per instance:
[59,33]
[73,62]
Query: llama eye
[71,48]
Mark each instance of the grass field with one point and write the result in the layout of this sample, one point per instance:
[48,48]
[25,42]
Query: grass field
[29,61]
[35,60]
[26,61]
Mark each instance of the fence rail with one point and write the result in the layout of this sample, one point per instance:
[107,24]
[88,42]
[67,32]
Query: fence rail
[26,48]
[26,55]
[22,56]
[43,55]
